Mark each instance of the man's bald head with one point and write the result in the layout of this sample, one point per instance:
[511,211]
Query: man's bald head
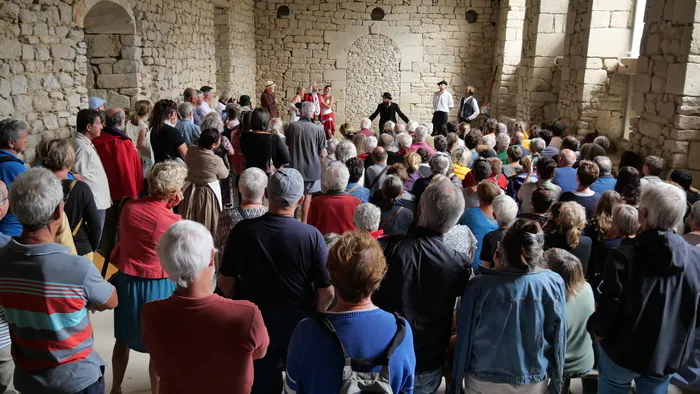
[115,117]
[379,155]
[518,138]
[4,203]
[567,158]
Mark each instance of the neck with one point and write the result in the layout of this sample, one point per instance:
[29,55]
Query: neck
[282,211]
[14,152]
[487,210]
[63,174]
[199,289]
[88,136]
[346,306]
[584,189]
[251,203]
[41,236]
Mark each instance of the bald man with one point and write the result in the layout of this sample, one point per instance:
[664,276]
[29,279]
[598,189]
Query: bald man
[122,165]
[518,139]
[565,175]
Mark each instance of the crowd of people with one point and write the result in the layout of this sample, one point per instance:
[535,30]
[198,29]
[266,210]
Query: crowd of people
[504,260]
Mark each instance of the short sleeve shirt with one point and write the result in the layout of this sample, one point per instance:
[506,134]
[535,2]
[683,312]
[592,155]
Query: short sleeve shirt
[305,141]
[165,143]
[280,262]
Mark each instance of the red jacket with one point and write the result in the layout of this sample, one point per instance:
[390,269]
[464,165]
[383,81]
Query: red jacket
[121,163]
[333,212]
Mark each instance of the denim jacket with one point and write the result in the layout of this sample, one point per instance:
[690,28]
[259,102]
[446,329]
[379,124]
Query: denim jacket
[512,329]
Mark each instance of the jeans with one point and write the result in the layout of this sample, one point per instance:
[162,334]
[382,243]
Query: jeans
[101,215]
[95,388]
[427,382]
[613,379]
[7,370]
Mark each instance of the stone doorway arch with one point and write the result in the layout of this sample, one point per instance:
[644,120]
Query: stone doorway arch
[367,77]
[113,51]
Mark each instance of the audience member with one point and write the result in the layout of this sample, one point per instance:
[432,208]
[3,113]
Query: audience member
[365,128]
[395,218]
[471,141]
[192,97]
[345,150]
[513,167]
[48,358]
[606,181]
[549,150]
[545,173]
[249,271]
[649,291]
[557,133]
[367,217]
[332,211]
[205,96]
[632,159]
[599,230]
[166,141]
[693,237]
[356,170]
[568,234]
[424,279]
[565,174]
[517,140]
[685,180]
[570,143]
[261,148]
[439,165]
[7,365]
[419,140]
[226,332]
[404,144]
[460,163]
[425,157]
[502,144]
[505,211]
[480,220]
[591,151]
[96,103]
[521,308]
[190,131]
[321,349]
[541,202]
[359,140]
[376,173]
[586,174]
[628,185]
[141,277]
[440,143]
[481,169]
[137,130]
[653,167]
[412,162]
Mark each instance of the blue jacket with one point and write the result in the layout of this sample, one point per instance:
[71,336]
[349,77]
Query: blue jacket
[604,183]
[10,167]
[511,329]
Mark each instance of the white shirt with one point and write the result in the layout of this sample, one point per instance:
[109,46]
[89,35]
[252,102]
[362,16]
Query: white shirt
[89,165]
[471,100]
[442,101]
[203,109]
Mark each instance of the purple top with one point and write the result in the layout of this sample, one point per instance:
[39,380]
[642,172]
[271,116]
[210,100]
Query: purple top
[412,178]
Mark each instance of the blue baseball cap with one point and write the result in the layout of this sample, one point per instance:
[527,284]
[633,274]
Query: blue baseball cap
[95,102]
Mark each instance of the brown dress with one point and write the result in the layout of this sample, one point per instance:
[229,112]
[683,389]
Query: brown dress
[200,202]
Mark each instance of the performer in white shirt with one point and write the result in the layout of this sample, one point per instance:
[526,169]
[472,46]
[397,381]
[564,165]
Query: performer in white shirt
[442,103]
[468,106]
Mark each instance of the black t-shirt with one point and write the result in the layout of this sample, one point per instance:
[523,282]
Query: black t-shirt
[165,143]
[257,147]
[80,209]
[490,244]
[582,251]
[279,262]
[588,202]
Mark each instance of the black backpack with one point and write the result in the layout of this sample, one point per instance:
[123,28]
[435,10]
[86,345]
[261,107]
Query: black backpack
[354,382]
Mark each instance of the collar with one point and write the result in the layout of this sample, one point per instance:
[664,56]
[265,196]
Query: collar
[83,137]
[186,121]
[305,119]
[8,153]
[168,123]
[607,176]
[336,194]
[426,232]
[37,250]
[115,132]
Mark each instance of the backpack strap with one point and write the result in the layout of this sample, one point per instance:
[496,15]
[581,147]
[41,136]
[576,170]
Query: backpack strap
[328,326]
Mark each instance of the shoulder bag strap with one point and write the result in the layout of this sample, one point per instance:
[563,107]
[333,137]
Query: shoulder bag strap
[376,179]
[80,222]
[352,189]
[387,220]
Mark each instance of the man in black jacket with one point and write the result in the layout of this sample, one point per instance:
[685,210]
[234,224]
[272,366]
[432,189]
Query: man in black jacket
[387,111]
[648,304]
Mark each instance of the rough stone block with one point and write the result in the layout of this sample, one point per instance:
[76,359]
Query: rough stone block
[595,77]
[62,52]
[600,19]
[116,100]
[116,81]
[676,146]
[125,67]
[608,42]
[19,84]
[104,45]
[10,49]
[9,11]
[594,63]
[6,107]
[685,135]
[131,53]
[620,19]
[694,156]
[550,45]
[685,122]
[50,121]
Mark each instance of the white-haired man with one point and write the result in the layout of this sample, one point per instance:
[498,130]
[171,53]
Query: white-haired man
[345,150]
[647,307]
[439,165]
[367,217]
[13,142]
[376,173]
[332,211]
[218,331]
[424,279]
[565,174]
[400,128]
[250,270]
[190,131]
[366,128]
[502,143]
[505,211]
[419,140]
[404,143]
[306,142]
[47,294]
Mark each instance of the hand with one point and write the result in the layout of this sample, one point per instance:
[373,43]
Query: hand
[597,338]
[78,176]
[174,199]
[231,152]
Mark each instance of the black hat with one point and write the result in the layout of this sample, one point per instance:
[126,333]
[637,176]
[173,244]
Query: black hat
[386,95]
[443,82]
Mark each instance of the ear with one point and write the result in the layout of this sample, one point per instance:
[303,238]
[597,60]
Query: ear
[58,212]
[212,259]
[301,200]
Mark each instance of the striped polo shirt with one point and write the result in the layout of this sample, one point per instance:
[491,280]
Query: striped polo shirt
[45,292]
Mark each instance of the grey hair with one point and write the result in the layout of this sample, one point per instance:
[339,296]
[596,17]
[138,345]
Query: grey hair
[365,124]
[331,239]
[308,108]
[335,178]
[3,192]
[428,126]
[252,184]
[10,130]
[345,151]
[502,141]
[664,205]
[367,216]
[537,145]
[185,109]
[604,164]
[370,143]
[388,125]
[421,133]
[489,140]
[34,196]
[400,128]
[440,163]
[502,128]
[694,212]
[212,120]
[115,119]
[626,217]
[275,125]
[505,209]
[404,140]
[411,126]
[386,141]
[441,206]
[331,144]
[166,178]
[185,251]
[459,155]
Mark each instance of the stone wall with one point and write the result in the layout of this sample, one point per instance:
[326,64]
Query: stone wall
[507,57]
[235,48]
[431,39]
[667,86]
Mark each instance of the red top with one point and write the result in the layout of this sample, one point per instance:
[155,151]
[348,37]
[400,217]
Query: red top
[190,340]
[122,165]
[421,144]
[332,212]
[366,132]
[141,224]
[377,234]
[502,182]
[363,156]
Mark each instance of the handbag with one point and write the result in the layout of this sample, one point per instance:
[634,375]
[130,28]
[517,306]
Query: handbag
[269,164]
